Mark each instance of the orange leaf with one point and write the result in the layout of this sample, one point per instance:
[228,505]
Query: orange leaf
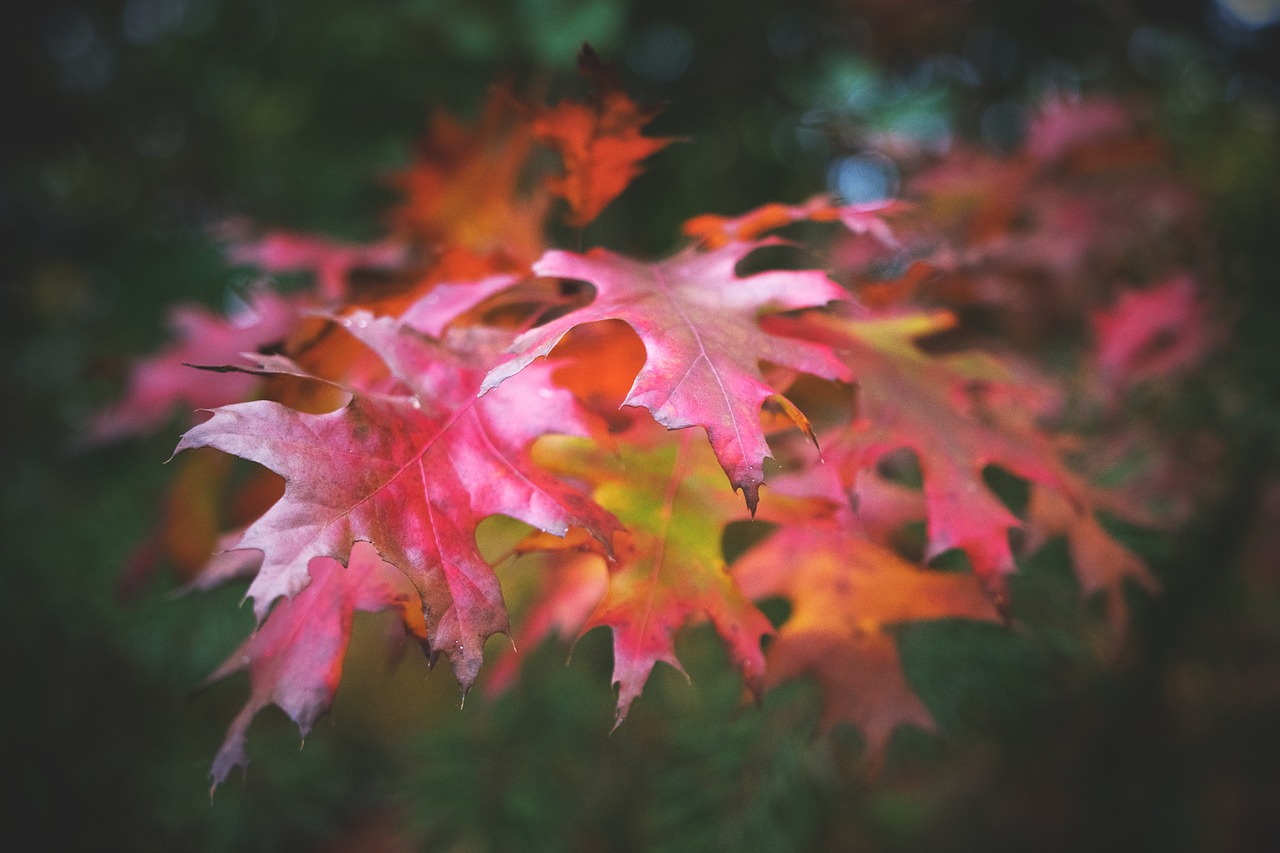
[464,189]
[844,591]
[599,141]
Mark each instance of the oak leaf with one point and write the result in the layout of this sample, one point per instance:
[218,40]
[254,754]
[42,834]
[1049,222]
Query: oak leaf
[698,321]
[669,565]
[466,186]
[329,261]
[1152,333]
[295,658]
[1102,564]
[600,141]
[165,382]
[845,591]
[715,231]
[412,472]
[908,398]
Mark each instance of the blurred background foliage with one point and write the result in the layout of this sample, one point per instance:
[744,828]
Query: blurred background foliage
[135,127]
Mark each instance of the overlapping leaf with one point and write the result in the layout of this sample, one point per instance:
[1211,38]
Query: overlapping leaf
[411,473]
[908,398]
[295,659]
[699,323]
[669,565]
[465,188]
[165,383]
[844,592]
[716,231]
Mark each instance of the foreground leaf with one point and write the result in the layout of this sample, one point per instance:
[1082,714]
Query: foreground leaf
[698,322]
[414,475]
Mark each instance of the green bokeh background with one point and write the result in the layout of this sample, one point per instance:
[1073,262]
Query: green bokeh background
[132,127]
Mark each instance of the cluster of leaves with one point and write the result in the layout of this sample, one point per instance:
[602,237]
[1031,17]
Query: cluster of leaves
[459,369]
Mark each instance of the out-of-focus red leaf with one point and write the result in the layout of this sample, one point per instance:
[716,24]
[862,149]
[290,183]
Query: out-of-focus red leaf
[1102,564]
[1152,333]
[1059,126]
[908,398]
[570,587]
[329,261]
[165,382]
[466,189]
[716,231]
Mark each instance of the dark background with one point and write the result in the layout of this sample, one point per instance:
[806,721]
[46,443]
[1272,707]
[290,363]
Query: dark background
[133,128]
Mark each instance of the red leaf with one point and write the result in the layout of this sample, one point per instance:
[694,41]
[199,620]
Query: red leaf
[413,474]
[464,189]
[1102,564]
[1152,333]
[570,588]
[331,262]
[1058,127]
[698,322]
[908,398]
[295,658]
[166,381]
[716,231]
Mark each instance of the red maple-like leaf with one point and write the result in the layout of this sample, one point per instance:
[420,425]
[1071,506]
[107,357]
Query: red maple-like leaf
[413,473]
[465,187]
[698,322]
[1152,333]
[1101,563]
[599,141]
[329,261]
[166,382]
[908,398]
[295,658]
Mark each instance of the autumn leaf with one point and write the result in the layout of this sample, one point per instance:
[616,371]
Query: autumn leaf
[165,382]
[295,658]
[465,188]
[874,506]
[908,398]
[845,592]
[698,321]
[570,586]
[1151,333]
[669,565]
[1102,564]
[413,473]
[715,231]
[330,262]
[599,141]
[1057,127]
